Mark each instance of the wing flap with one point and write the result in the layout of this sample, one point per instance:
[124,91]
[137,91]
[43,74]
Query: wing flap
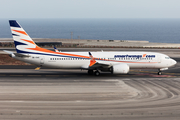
[98,65]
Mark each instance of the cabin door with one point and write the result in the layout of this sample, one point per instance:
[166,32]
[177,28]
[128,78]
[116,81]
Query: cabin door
[41,60]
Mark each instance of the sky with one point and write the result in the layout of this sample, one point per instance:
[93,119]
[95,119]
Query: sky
[11,9]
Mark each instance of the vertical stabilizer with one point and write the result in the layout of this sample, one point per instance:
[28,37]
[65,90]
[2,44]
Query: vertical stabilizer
[22,40]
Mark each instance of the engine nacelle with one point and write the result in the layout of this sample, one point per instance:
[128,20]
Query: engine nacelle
[120,68]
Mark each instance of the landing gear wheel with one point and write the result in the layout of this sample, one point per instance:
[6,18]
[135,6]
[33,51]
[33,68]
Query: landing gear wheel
[96,73]
[159,73]
[111,70]
[90,72]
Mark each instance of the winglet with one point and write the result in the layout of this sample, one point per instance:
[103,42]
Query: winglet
[92,61]
[55,49]
[90,54]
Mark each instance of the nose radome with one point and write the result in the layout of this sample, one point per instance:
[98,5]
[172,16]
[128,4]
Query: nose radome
[173,62]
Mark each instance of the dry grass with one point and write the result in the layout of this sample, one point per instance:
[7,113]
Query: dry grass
[7,60]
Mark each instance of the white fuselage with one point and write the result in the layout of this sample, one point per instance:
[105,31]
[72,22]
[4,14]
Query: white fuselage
[132,59]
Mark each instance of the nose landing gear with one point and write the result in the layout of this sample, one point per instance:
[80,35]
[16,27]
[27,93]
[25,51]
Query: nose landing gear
[160,70]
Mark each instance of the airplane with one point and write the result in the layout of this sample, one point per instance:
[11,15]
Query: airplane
[114,62]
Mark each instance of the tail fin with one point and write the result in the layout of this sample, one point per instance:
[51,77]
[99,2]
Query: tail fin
[22,40]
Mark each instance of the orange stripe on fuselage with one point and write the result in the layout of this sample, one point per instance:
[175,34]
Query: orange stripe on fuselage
[57,53]
[22,32]
[74,55]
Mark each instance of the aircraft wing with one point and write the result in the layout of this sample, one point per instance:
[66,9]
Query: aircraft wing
[98,65]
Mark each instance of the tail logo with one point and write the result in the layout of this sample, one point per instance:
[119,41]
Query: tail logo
[21,39]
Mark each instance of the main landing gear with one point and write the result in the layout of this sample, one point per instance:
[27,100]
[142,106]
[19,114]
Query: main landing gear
[159,73]
[96,73]
[91,72]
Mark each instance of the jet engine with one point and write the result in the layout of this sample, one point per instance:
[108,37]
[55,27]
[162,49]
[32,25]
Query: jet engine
[120,69]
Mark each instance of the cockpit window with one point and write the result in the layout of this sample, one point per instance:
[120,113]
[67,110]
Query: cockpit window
[167,57]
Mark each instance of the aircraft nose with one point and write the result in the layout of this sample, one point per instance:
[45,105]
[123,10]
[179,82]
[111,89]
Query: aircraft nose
[173,62]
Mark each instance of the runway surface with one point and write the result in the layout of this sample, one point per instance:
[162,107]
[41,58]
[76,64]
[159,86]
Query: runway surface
[73,95]
[28,94]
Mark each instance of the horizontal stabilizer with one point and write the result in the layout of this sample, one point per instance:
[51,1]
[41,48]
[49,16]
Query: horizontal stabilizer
[9,52]
[15,54]
[20,55]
